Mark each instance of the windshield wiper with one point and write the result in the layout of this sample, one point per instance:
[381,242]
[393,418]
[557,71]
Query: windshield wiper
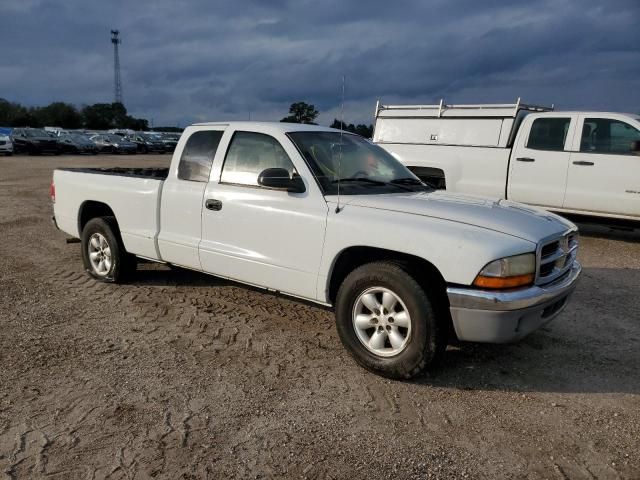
[360,179]
[375,182]
[410,181]
[407,181]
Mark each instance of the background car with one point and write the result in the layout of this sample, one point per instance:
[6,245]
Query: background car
[147,143]
[33,141]
[108,142]
[77,143]
[6,145]
[170,141]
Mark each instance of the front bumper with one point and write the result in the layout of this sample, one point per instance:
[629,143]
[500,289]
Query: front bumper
[507,316]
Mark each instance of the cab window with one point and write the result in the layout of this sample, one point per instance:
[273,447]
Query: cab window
[249,154]
[197,156]
[549,133]
[604,135]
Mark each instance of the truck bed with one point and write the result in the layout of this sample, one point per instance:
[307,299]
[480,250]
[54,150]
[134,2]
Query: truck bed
[156,173]
[132,194]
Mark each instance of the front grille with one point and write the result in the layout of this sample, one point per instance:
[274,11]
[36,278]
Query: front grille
[2,142]
[556,257]
[549,249]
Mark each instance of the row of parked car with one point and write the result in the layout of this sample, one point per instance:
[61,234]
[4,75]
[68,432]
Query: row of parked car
[36,141]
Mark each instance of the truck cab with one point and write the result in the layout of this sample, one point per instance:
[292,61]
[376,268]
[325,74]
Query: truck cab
[578,162]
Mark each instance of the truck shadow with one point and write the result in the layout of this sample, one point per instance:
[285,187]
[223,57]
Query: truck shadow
[610,229]
[151,274]
[592,347]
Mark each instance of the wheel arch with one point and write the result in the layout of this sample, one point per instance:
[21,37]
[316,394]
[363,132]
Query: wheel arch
[425,273]
[93,209]
[352,257]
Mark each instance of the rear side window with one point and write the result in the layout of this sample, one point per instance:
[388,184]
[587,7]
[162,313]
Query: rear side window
[249,154]
[197,156]
[548,133]
[603,135]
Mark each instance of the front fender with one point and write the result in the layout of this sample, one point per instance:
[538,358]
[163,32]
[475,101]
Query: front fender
[457,250]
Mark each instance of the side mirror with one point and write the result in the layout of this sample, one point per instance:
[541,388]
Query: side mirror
[279,178]
[635,147]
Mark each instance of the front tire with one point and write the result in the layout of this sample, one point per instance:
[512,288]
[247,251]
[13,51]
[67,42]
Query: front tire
[387,321]
[103,253]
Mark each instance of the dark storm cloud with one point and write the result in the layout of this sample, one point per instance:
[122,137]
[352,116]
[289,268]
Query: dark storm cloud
[228,60]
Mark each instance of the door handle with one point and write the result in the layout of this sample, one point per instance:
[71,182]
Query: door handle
[213,204]
[583,163]
[525,159]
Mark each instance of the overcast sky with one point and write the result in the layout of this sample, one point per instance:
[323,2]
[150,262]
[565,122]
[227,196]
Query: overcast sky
[218,60]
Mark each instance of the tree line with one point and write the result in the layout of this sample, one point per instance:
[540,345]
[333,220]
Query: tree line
[99,116]
[302,112]
[104,116]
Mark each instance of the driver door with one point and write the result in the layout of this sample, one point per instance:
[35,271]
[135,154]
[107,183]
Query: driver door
[262,236]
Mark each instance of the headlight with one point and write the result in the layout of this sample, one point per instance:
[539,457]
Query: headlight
[509,272]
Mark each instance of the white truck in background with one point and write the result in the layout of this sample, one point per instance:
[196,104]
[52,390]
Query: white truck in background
[575,162]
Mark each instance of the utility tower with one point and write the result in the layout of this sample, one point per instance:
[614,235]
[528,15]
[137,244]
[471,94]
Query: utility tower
[117,84]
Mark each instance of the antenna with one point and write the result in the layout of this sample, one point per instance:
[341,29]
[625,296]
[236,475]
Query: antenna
[340,151]
[117,84]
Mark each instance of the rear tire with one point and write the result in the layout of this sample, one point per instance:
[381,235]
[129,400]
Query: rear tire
[390,291]
[103,253]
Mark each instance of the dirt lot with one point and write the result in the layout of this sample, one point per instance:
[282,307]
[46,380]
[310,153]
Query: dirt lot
[181,375]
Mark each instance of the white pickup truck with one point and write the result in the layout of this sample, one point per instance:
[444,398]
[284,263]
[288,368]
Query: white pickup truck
[327,216]
[584,163]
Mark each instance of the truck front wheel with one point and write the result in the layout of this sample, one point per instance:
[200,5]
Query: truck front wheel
[103,253]
[387,321]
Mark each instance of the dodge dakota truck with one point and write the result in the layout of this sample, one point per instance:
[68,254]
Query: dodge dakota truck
[331,218]
[585,163]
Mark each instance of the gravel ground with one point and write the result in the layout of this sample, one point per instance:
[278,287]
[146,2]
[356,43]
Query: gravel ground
[182,375]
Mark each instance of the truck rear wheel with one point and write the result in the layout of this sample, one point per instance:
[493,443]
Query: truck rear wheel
[387,321]
[103,252]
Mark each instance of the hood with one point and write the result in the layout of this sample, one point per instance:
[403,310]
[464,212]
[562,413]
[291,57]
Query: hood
[511,218]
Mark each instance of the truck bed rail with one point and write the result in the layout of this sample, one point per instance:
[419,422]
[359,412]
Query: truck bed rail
[155,173]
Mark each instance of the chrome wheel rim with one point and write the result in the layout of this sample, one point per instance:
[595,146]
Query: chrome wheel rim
[99,254]
[381,321]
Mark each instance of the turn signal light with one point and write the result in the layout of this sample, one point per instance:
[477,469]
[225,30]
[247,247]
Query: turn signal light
[504,282]
[52,191]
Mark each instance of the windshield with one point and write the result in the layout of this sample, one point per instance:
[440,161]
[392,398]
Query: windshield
[361,166]
[115,138]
